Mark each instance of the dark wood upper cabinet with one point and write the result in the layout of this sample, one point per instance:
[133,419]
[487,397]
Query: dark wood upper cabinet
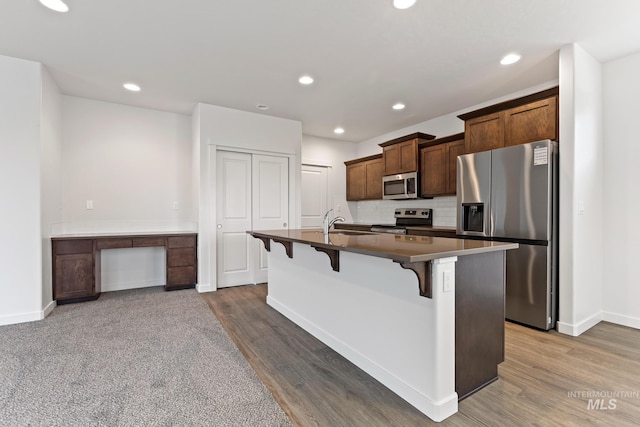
[531,122]
[364,178]
[454,149]
[373,175]
[484,133]
[438,165]
[433,170]
[400,155]
[519,121]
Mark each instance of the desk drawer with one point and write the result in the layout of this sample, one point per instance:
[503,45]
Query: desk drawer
[140,242]
[181,257]
[181,242]
[113,243]
[181,276]
[74,246]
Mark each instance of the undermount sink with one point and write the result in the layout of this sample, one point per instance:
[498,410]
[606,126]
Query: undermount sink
[349,232]
[344,232]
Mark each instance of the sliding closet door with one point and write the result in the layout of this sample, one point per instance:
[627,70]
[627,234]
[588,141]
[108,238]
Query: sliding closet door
[270,204]
[233,205]
[252,194]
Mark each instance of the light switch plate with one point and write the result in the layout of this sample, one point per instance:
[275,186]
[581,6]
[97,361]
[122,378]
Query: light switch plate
[89,204]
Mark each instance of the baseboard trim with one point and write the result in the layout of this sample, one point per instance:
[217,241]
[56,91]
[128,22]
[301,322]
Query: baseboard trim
[205,287]
[12,319]
[577,329]
[620,319]
[436,410]
[48,309]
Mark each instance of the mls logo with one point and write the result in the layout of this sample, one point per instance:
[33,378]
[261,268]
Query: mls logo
[601,404]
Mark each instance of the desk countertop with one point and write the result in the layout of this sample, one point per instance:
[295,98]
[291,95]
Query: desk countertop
[120,234]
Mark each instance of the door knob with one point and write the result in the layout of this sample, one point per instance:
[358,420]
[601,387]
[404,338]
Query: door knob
[284,224]
[219,226]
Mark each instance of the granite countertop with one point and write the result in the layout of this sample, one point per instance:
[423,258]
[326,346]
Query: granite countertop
[401,248]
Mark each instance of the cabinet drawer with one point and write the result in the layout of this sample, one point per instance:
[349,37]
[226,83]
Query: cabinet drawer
[181,257]
[139,242]
[181,275]
[113,243]
[63,247]
[181,242]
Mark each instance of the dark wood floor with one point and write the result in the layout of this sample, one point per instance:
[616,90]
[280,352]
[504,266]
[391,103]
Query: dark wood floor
[540,383]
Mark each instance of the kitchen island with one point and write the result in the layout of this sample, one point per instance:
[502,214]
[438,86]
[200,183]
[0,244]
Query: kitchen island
[423,315]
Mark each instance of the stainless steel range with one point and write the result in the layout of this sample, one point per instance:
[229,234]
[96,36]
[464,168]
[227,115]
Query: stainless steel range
[404,218]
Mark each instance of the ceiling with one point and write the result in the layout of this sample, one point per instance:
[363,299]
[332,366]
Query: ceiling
[438,57]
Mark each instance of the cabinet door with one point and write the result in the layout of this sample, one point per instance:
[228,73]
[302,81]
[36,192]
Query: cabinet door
[433,165]
[531,122]
[356,181]
[454,149]
[373,179]
[391,158]
[408,156]
[484,133]
[73,276]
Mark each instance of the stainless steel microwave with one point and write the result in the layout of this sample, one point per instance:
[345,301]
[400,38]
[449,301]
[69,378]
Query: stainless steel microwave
[401,186]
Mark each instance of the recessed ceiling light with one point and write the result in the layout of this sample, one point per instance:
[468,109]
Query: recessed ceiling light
[131,87]
[398,106]
[305,80]
[512,58]
[403,4]
[57,5]
[262,107]
[339,131]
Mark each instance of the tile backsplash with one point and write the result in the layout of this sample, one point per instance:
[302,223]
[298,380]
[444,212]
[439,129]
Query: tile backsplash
[381,211]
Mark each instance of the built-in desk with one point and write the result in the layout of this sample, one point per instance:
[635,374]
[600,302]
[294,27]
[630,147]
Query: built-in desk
[76,261]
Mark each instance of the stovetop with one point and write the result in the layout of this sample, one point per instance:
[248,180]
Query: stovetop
[404,218]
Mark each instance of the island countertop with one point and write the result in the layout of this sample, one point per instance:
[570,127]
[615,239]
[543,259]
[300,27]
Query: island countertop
[399,248]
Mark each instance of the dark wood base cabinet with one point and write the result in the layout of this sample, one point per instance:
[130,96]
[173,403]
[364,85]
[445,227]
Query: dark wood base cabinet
[480,284]
[76,262]
[181,262]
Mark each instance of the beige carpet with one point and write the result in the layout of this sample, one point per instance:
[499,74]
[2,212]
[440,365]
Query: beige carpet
[137,357]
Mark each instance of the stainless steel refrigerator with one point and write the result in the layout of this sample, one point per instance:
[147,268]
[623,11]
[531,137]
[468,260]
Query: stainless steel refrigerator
[511,194]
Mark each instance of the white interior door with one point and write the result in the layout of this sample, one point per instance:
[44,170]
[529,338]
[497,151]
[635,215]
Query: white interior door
[270,178]
[315,181]
[233,206]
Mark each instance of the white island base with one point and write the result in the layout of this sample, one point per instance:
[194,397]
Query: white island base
[371,313]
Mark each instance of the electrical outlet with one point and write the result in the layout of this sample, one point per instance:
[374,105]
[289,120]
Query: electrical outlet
[447,281]
[176,206]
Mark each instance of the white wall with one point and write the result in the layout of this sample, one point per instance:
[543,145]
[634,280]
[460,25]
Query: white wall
[134,164]
[332,153]
[621,197]
[226,128]
[50,169]
[581,191]
[20,242]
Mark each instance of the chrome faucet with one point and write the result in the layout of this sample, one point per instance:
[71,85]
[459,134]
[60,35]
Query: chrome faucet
[327,223]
